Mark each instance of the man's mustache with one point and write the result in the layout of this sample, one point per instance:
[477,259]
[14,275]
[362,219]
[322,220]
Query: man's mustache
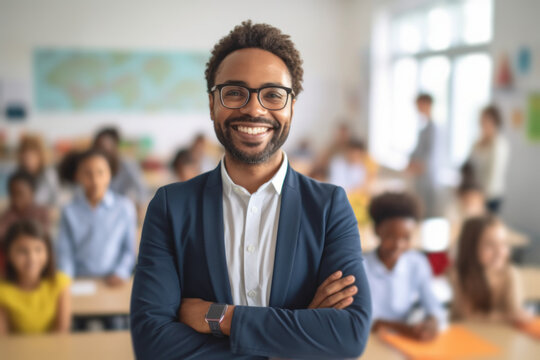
[250,119]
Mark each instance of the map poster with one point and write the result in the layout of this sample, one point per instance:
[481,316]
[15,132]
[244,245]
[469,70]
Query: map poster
[533,125]
[71,80]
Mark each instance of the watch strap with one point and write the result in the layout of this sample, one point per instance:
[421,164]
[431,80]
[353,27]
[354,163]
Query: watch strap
[214,323]
[215,328]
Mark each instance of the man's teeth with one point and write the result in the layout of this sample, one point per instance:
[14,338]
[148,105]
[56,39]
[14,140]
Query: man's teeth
[252,130]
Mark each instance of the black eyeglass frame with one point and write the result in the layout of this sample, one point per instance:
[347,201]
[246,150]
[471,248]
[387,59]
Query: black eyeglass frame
[252,90]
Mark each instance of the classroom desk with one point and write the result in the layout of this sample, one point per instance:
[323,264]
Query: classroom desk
[104,301]
[81,346]
[514,344]
[530,278]
[117,345]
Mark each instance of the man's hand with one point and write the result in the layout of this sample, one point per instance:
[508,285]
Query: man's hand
[193,311]
[114,280]
[335,292]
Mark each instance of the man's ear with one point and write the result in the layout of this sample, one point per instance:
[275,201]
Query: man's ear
[292,107]
[211,105]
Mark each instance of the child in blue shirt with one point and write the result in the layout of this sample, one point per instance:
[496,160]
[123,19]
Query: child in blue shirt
[97,229]
[398,276]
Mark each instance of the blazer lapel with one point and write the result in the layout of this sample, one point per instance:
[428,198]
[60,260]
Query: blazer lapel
[287,237]
[213,237]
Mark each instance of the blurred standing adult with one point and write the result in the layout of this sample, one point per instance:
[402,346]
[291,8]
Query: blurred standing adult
[489,158]
[423,160]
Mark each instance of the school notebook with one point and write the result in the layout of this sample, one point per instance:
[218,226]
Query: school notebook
[454,343]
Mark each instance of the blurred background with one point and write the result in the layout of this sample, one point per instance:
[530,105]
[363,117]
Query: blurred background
[73,73]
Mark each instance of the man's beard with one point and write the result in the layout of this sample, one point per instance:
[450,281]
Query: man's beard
[225,138]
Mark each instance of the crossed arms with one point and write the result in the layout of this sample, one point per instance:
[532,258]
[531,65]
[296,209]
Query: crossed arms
[335,324]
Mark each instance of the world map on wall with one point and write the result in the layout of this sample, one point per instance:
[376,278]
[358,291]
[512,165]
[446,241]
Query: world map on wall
[132,81]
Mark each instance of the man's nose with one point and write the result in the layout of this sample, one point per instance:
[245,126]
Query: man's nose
[253,107]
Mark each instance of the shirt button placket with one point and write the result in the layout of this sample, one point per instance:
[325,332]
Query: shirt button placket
[251,266]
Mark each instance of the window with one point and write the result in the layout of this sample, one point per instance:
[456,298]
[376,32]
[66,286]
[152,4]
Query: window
[441,49]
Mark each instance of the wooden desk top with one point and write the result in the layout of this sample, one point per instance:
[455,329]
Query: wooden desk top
[105,300]
[117,345]
[514,344]
[530,278]
[81,346]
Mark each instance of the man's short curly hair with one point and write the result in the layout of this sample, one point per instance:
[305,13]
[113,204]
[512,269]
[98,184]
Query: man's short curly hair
[393,205]
[262,36]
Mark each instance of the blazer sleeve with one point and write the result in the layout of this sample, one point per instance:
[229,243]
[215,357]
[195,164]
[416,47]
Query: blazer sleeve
[155,300]
[314,333]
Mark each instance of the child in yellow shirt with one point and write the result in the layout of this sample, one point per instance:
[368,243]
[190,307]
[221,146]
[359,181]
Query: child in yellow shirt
[34,297]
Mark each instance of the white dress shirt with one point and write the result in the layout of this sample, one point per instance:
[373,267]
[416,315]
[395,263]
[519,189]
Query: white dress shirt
[251,224]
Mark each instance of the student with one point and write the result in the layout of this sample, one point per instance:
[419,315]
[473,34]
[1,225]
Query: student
[469,201]
[486,286]
[184,165]
[354,170]
[32,158]
[202,155]
[127,178]
[34,297]
[97,229]
[21,189]
[398,276]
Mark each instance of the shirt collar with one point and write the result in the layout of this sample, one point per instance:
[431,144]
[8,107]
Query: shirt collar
[107,201]
[277,180]
[381,269]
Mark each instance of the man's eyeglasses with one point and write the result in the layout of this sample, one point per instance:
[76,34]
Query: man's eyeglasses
[270,97]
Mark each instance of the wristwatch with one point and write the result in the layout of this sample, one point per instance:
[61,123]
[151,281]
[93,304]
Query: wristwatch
[214,317]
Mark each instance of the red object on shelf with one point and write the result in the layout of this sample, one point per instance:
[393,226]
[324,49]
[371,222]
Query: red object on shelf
[439,262]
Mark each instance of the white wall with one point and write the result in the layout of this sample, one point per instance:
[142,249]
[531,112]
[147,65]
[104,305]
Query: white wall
[320,29]
[516,25]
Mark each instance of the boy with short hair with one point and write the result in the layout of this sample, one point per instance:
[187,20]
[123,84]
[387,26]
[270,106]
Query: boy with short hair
[399,277]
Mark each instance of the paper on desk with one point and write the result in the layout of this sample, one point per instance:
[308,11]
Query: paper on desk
[83,287]
[454,343]
[533,328]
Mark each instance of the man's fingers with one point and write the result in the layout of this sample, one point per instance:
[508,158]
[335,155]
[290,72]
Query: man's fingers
[332,300]
[344,303]
[338,285]
[331,289]
[335,276]
[319,295]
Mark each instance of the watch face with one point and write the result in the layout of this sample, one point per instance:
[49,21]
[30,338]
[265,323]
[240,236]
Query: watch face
[215,312]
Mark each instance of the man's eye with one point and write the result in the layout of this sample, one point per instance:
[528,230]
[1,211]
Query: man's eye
[234,93]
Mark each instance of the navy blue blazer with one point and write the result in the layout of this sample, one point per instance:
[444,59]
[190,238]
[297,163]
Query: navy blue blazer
[182,254]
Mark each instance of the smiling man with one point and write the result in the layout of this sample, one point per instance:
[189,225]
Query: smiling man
[250,260]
